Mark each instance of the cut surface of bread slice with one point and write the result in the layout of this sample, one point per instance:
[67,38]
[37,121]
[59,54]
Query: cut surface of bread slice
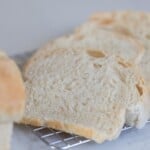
[5,135]
[84,92]
[12,91]
[134,24]
[90,36]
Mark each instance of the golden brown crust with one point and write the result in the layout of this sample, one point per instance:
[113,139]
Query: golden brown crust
[106,18]
[73,128]
[69,128]
[29,121]
[12,91]
[82,131]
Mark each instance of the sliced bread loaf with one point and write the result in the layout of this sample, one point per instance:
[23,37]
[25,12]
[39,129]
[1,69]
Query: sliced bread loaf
[84,92]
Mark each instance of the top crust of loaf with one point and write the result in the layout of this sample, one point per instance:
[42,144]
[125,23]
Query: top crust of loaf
[12,91]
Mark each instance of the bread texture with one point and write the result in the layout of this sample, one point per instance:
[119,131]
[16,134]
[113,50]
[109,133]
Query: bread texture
[5,135]
[90,36]
[84,92]
[133,24]
[12,90]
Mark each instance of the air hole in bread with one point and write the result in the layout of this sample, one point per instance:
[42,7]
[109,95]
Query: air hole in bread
[79,37]
[110,130]
[140,89]
[114,107]
[97,66]
[106,21]
[123,64]
[96,54]
[56,97]
[148,36]
[84,103]
[68,88]
[124,31]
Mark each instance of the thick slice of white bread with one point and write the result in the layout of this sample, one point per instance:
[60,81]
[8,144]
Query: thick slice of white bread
[5,135]
[12,91]
[84,92]
[134,24]
[90,37]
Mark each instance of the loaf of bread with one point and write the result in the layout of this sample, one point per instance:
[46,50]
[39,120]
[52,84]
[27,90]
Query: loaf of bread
[12,98]
[84,92]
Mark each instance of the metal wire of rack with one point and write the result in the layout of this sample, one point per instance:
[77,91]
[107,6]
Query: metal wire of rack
[59,140]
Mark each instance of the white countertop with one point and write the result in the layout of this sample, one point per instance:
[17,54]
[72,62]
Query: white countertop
[26,25]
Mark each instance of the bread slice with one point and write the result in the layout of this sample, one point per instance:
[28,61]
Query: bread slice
[89,36]
[12,91]
[133,24]
[5,135]
[84,92]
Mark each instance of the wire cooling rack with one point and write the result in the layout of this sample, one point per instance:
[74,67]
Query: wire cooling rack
[59,140]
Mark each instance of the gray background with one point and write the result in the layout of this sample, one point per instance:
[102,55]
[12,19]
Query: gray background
[27,24]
